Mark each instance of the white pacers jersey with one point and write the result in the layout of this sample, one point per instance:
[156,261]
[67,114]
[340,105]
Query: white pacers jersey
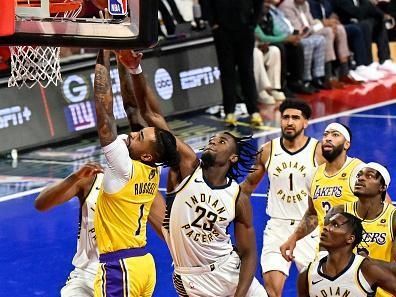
[196,221]
[290,175]
[87,255]
[350,282]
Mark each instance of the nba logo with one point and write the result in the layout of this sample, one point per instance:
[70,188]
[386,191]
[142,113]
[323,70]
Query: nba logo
[117,7]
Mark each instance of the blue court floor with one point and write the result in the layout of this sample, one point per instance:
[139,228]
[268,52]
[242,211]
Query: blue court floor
[36,248]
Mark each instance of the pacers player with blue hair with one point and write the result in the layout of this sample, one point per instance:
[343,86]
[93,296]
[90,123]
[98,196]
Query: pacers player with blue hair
[130,184]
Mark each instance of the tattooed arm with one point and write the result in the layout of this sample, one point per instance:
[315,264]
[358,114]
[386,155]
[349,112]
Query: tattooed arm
[308,223]
[106,125]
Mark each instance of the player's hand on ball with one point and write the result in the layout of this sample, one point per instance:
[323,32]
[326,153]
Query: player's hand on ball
[129,58]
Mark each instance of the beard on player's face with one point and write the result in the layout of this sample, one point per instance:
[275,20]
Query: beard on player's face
[208,159]
[331,155]
[289,135]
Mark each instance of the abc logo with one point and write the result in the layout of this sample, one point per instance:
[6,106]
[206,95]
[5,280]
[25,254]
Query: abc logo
[163,83]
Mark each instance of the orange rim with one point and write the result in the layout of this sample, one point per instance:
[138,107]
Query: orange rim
[56,6]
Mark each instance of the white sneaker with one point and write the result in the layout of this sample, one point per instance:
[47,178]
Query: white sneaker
[369,72]
[278,95]
[388,66]
[356,76]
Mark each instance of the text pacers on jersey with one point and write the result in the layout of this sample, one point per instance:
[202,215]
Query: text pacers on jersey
[205,218]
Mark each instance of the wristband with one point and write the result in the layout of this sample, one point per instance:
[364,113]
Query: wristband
[137,70]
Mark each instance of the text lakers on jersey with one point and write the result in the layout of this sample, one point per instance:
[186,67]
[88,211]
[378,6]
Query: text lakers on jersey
[329,191]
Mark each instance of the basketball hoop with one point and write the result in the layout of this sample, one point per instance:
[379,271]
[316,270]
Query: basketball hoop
[40,64]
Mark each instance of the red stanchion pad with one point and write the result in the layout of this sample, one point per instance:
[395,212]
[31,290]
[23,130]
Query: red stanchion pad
[7,18]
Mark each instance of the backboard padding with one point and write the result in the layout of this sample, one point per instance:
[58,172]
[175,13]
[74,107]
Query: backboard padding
[140,32]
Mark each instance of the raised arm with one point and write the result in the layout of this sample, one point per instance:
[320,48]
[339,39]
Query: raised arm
[136,123]
[308,223]
[150,111]
[76,184]
[253,179]
[245,238]
[106,125]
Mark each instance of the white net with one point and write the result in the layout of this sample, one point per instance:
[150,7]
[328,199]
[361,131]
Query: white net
[39,64]
[31,65]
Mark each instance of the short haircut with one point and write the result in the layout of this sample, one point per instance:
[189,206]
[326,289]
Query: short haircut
[166,148]
[355,224]
[296,104]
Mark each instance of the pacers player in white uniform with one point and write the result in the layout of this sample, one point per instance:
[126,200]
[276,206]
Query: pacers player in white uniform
[290,161]
[85,184]
[341,272]
[203,200]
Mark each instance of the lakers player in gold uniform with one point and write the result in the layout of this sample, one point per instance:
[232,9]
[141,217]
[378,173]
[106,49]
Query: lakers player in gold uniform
[85,184]
[332,184]
[377,215]
[129,186]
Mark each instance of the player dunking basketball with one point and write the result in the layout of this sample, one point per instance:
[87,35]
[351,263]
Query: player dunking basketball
[290,161]
[130,184]
[85,184]
[203,199]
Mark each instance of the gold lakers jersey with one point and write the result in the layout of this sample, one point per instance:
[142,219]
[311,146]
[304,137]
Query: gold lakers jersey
[378,236]
[120,218]
[329,191]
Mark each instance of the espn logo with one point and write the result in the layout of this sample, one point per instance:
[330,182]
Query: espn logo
[117,7]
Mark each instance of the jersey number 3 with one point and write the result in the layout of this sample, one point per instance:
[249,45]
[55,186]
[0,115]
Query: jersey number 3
[210,217]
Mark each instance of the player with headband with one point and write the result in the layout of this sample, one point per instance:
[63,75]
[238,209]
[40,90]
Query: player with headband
[332,183]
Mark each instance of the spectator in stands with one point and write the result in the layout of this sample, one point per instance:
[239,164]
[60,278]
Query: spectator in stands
[297,11]
[267,73]
[169,17]
[233,23]
[297,53]
[323,10]
[371,20]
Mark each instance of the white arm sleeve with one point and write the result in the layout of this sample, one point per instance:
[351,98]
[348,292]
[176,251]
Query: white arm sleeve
[119,170]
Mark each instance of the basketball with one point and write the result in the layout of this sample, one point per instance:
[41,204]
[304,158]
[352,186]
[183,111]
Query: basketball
[100,4]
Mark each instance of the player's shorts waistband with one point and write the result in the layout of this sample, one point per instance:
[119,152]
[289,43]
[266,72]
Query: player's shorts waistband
[122,254]
[287,221]
[203,269]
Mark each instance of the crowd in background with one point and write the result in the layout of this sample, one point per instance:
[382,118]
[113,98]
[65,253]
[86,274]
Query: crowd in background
[275,48]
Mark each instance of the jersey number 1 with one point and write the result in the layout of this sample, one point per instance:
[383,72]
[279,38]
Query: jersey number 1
[139,220]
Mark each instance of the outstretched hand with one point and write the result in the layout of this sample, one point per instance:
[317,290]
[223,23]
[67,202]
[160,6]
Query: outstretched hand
[88,170]
[129,58]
